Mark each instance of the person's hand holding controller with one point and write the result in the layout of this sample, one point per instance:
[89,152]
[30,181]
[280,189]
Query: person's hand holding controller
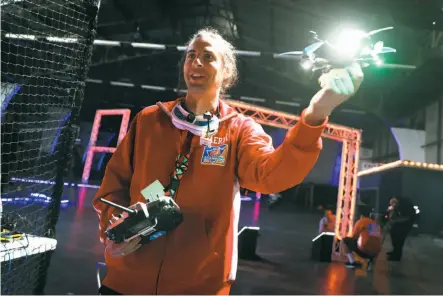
[124,248]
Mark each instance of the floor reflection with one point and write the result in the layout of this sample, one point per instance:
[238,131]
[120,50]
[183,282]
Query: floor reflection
[284,243]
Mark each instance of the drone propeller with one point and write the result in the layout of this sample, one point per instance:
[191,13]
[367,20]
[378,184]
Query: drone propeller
[388,50]
[307,51]
[292,53]
[313,47]
[378,47]
[379,30]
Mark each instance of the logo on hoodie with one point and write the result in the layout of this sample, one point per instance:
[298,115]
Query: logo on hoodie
[215,155]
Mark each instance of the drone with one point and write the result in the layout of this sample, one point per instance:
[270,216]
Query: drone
[347,47]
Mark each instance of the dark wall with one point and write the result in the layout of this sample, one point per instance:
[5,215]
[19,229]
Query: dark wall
[390,185]
[325,170]
[425,188]
[369,181]
[368,190]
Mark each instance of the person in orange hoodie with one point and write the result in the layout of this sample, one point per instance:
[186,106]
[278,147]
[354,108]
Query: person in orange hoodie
[222,151]
[366,240]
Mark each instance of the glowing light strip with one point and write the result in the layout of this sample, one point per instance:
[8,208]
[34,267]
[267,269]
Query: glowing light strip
[341,192]
[243,198]
[94,134]
[354,175]
[402,163]
[157,46]
[248,227]
[321,234]
[53,183]
[102,157]
[36,199]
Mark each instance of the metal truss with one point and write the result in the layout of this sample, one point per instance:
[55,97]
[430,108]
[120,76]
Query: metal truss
[92,148]
[347,191]
[286,120]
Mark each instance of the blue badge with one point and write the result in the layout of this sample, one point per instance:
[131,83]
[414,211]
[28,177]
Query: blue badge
[215,155]
[374,230]
[156,235]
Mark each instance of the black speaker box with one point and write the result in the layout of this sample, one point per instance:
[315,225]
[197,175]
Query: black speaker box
[322,247]
[247,243]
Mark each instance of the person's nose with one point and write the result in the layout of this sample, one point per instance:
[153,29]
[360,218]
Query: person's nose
[197,63]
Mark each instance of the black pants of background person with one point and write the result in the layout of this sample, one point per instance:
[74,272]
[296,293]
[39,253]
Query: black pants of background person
[352,245]
[398,233]
[103,290]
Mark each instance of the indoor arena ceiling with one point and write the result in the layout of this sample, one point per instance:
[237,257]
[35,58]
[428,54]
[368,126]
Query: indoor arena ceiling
[270,26]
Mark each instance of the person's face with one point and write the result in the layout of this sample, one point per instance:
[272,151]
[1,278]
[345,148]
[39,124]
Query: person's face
[328,213]
[203,68]
[393,202]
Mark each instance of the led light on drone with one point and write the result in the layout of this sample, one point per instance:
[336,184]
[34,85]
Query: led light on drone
[343,49]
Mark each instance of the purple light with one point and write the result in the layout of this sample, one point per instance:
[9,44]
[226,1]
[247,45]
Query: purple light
[243,198]
[35,197]
[53,183]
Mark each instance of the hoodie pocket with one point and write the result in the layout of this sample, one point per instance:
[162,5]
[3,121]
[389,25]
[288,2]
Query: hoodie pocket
[190,257]
[147,258]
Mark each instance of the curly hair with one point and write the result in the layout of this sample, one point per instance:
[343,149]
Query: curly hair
[227,50]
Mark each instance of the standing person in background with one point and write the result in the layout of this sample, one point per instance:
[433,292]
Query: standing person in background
[400,221]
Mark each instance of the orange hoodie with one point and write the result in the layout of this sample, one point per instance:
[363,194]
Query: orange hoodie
[200,255]
[368,235]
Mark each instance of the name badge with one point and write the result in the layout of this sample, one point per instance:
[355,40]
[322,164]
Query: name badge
[153,191]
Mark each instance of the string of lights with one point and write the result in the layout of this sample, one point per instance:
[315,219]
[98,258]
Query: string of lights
[401,163]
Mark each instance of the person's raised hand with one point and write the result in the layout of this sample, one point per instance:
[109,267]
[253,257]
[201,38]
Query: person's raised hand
[338,85]
[344,82]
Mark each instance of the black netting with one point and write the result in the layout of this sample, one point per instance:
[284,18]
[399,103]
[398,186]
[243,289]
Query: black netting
[45,54]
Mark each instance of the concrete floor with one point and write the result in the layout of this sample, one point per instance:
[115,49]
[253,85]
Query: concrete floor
[284,244]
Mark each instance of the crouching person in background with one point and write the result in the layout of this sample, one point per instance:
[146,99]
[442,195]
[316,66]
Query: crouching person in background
[366,240]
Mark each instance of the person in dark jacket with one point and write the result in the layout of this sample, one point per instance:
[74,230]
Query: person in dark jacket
[400,220]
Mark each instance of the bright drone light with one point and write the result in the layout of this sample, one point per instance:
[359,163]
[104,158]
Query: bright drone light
[306,64]
[345,47]
[348,42]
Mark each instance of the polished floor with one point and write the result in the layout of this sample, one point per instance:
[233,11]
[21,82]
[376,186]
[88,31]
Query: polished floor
[284,245]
